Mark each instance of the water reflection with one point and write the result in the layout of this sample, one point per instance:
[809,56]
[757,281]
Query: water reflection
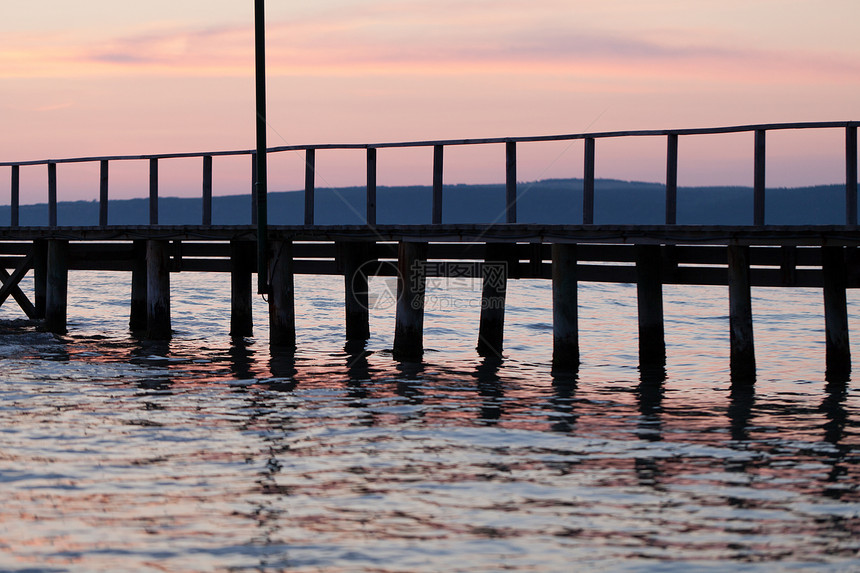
[563,401]
[490,388]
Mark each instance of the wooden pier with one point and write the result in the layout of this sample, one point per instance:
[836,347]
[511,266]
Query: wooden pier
[739,257]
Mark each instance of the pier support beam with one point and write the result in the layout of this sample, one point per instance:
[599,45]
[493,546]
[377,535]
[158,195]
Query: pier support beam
[411,281]
[241,288]
[838,352]
[158,325]
[354,256]
[742,357]
[565,321]
[494,275]
[138,312]
[56,295]
[282,310]
[40,276]
[649,290]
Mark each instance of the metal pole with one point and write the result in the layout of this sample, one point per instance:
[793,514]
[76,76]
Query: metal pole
[261,183]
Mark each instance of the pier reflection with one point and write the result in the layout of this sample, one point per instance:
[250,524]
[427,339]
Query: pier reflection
[490,388]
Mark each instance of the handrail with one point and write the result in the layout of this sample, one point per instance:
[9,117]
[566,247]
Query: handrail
[438,146]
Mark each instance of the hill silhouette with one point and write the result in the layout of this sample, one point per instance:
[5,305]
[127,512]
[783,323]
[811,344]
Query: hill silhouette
[551,201]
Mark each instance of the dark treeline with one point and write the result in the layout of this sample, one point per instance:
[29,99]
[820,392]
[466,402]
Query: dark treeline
[552,201]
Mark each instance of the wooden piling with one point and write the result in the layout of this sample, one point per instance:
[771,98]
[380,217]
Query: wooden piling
[838,352]
[649,290]
[565,321]
[742,348]
[138,308]
[56,295]
[494,275]
[411,281]
[40,276]
[282,311]
[158,325]
[241,288]
[355,255]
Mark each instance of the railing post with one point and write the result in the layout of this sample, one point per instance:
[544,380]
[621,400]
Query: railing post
[511,182]
[759,178]
[438,156]
[52,194]
[153,191]
[253,188]
[371,186]
[310,174]
[672,179]
[103,192]
[851,175]
[207,190]
[15,192]
[588,183]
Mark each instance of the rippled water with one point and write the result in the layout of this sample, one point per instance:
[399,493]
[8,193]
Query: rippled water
[205,455]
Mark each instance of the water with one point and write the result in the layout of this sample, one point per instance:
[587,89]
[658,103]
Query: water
[204,455]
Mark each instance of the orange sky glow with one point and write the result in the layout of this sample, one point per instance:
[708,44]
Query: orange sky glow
[108,79]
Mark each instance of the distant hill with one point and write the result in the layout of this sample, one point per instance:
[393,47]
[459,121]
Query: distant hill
[551,201]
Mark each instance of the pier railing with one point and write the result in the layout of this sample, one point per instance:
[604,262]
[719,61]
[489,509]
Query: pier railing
[511,144]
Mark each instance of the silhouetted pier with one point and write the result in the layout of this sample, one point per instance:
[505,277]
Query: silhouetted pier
[740,257]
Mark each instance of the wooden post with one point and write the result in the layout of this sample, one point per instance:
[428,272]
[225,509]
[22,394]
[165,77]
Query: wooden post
[438,157]
[242,265]
[158,290]
[588,183]
[310,174]
[371,186]
[851,175]
[40,276]
[742,357]
[838,351]
[649,289]
[565,321]
[56,295]
[511,182]
[15,196]
[253,188]
[104,172]
[52,194]
[153,191]
[759,178]
[282,311]
[356,304]
[207,190]
[411,281]
[494,273]
[138,309]
[672,180]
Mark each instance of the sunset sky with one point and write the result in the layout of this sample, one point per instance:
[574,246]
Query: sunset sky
[111,78]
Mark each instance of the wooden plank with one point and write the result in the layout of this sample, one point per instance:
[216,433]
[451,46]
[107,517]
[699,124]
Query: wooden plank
[310,175]
[207,190]
[588,183]
[104,176]
[10,286]
[153,191]
[52,194]
[672,179]
[438,160]
[510,182]
[370,215]
[759,161]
